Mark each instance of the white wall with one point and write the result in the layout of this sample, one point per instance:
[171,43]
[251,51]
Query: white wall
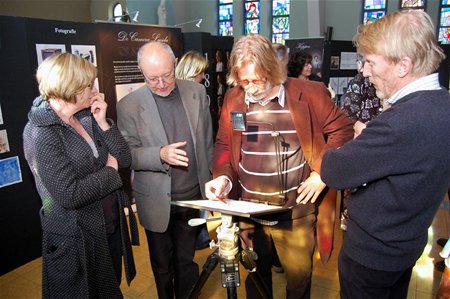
[78,11]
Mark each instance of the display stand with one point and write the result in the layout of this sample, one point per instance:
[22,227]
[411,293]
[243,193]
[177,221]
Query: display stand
[227,252]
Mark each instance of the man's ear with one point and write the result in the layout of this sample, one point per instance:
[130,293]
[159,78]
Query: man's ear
[404,67]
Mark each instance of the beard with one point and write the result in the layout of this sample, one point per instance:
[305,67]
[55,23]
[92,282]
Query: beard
[256,95]
[162,92]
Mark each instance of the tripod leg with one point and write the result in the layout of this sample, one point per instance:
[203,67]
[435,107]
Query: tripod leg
[231,293]
[208,267]
[248,258]
[260,285]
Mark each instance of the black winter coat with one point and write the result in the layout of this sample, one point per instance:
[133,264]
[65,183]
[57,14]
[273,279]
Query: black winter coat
[72,183]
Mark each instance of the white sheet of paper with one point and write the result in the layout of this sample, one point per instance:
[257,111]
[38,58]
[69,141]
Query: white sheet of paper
[232,207]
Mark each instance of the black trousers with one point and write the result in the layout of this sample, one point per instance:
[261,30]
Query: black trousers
[172,256]
[358,281]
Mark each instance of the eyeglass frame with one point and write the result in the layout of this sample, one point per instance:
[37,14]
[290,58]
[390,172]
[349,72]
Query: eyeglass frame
[246,82]
[360,60]
[167,78]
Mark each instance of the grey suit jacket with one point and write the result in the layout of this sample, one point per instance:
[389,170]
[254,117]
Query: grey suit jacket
[140,123]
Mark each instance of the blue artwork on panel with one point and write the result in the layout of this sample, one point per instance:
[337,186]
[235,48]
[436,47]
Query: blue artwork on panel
[10,171]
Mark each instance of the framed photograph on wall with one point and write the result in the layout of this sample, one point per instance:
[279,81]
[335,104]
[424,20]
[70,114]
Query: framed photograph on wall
[45,50]
[4,143]
[1,115]
[334,63]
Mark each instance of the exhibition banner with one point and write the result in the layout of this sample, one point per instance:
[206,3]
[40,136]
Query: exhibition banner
[119,43]
[313,46]
[48,37]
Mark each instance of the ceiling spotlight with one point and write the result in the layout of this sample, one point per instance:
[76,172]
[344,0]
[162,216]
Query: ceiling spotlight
[196,21]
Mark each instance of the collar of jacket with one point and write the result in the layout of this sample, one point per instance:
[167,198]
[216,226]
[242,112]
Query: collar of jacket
[42,115]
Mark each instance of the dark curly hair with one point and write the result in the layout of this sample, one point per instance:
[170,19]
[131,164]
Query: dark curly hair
[296,63]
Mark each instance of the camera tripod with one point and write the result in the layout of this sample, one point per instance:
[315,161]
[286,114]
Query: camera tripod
[227,254]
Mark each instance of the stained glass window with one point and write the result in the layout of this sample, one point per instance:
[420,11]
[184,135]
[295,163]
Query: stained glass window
[225,17]
[444,22]
[280,20]
[374,4]
[373,10]
[413,4]
[251,17]
[372,16]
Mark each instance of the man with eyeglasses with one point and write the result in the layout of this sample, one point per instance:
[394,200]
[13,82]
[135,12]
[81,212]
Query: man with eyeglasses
[276,158]
[168,127]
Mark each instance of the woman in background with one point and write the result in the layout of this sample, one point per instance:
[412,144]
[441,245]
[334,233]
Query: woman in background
[192,66]
[74,153]
[299,66]
[360,102]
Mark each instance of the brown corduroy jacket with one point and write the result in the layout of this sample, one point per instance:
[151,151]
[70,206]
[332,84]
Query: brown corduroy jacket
[320,125]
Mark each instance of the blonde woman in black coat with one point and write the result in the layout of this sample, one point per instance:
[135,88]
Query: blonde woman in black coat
[75,152]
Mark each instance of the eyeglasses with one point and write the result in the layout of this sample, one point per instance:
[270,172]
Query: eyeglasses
[360,61]
[246,82]
[167,78]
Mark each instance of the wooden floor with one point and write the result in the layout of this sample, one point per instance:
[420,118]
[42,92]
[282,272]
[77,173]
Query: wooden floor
[25,281]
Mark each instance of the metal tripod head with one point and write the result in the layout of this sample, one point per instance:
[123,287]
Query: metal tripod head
[227,253]
[227,236]
[227,244]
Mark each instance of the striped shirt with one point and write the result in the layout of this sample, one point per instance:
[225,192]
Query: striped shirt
[272,164]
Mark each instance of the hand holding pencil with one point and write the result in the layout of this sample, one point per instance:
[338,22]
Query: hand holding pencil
[216,189]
